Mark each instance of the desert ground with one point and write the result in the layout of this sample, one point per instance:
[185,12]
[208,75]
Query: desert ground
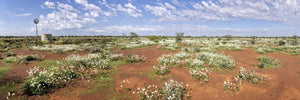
[153,67]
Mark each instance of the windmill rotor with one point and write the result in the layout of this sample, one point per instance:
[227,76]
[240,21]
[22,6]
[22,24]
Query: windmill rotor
[36,21]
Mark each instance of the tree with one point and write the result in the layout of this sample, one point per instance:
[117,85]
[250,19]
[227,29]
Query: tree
[253,39]
[153,38]
[132,34]
[227,36]
[295,42]
[124,34]
[179,35]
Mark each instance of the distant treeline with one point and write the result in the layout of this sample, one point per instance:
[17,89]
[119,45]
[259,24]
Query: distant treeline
[226,36]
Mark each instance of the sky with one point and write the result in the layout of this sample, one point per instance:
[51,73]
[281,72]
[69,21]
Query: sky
[151,17]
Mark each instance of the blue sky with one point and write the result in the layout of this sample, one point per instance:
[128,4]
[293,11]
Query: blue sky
[151,17]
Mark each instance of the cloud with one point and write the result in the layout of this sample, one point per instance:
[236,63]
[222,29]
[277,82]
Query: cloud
[66,7]
[286,11]
[96,30]
[92,8]
[170,6]
[49,4]
[127,28]
[130,10]
[23,15]
[1,22]
[164,12]
[65,17]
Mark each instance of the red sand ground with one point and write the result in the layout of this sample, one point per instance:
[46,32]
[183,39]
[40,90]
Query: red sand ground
[283,84]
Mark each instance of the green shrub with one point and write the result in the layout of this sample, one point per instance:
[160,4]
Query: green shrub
[293,51]
[153,38]
[173,90]
[88,61]
[3,70]
[179,35]
[123,48]
[268,62]
[10,54]
[10,60]
[281,43]
[95,50]
[41,81]
[58,51]
[197,49]
[47,63]
[200,74]
[135,59]
[161,70]
[24,59]
[252,41]
[115,57]
[249,75]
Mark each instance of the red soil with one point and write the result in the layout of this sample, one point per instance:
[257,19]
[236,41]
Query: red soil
[279,86]
[282,84]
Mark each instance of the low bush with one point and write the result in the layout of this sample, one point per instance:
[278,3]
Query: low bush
[10,60]
[153,38]
[197,60]
[24,59]
[249,75]
[95,50]
[161,69]
[41,81]
[115,57]
[135,59]
[58,50]
[88,61]
[196,49]
[264,49]
[8,54]
[216,59]
[233,86]
[200,74]
[195,63]
[281,43]
[293,51]
[245,75]
[3,70]
[172,90]
[268,62]
[44,80]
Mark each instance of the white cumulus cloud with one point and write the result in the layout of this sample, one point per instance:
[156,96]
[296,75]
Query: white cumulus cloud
[65,17]
[49,4]
[130,10]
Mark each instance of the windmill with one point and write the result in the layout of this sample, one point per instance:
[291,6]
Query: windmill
[36,21]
